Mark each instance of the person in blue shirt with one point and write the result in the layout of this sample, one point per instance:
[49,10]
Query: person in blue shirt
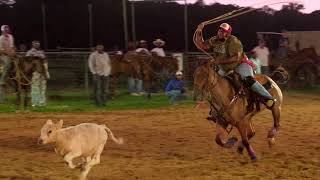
[175,89]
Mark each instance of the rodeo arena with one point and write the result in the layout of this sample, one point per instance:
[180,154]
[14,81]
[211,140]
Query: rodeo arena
[207,101]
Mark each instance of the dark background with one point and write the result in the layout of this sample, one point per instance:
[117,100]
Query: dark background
[67,22]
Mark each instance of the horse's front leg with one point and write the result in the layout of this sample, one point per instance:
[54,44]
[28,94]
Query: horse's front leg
[243,127]
[26,93]
[250,133]
[221,132]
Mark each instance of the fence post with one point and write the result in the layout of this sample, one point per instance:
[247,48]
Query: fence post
[86,75]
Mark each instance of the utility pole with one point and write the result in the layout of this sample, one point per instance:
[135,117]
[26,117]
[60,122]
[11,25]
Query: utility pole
[44,24]
[125,23]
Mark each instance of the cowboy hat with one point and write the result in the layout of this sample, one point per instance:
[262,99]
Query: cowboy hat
[3,27]
[179,73]
[159,42]
[142,41]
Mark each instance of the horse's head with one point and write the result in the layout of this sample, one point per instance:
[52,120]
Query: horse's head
[31,64]
[204,77]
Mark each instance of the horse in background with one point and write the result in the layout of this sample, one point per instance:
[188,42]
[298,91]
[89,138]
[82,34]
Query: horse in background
[141,66]
[20,75]
[157,68]
[123,65]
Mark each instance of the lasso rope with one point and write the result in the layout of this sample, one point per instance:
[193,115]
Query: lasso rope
[233,14]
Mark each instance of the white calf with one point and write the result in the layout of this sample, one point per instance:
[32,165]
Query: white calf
[85,140]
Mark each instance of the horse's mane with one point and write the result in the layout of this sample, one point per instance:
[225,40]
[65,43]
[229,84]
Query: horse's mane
[206,78]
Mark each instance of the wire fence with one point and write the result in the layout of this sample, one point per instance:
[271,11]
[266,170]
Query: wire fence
[69,70]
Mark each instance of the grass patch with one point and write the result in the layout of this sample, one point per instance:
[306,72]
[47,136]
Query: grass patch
[81,102]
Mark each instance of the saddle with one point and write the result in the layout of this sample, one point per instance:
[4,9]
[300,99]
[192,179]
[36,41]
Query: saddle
[243,90]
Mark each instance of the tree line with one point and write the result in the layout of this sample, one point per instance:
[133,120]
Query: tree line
[67,22]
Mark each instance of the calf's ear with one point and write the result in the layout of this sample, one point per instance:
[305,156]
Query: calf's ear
[49,121]
[59,124]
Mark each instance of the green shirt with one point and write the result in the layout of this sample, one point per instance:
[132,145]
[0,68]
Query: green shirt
[226,49]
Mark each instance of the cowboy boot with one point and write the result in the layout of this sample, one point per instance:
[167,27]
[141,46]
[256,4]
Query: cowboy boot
[258,88]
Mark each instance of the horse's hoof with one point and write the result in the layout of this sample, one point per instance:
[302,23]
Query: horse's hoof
[240,150]
[231,141]
[271,142]
[272,133]
[254,159]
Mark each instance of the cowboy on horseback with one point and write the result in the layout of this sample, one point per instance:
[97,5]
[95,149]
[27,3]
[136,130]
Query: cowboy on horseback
[228,52]
[6,51]
[158,50]
[36,51]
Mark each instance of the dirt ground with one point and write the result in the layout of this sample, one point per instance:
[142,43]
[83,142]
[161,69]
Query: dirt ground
[169,143]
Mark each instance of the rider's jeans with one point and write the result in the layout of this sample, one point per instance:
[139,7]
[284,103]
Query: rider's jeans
[245,70]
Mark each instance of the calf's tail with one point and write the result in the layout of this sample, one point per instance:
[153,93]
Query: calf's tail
[116,140]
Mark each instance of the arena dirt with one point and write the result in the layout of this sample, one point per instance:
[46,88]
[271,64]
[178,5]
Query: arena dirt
[169,143]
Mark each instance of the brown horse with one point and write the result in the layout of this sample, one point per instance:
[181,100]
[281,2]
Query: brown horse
[149,68]
[127,65]
[157,68]
[222,98]
[296,62]
[20,77]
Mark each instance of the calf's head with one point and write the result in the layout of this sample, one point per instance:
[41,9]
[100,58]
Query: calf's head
[49,132]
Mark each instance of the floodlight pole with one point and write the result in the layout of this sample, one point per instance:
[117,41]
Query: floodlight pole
[44,24]
[186,42]
[90,24]
[133,21]
[125,23]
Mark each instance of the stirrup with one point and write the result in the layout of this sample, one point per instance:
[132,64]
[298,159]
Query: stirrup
[270,102]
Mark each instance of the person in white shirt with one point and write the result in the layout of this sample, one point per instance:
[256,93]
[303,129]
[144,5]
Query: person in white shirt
[263,53]
[38,81]
[6,50]
[158,50]
[253,57]
[100,67]
[143,48]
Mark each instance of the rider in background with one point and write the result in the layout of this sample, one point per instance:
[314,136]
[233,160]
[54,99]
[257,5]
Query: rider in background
[7,50]
[143,48]
[229,55]
[158,50]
